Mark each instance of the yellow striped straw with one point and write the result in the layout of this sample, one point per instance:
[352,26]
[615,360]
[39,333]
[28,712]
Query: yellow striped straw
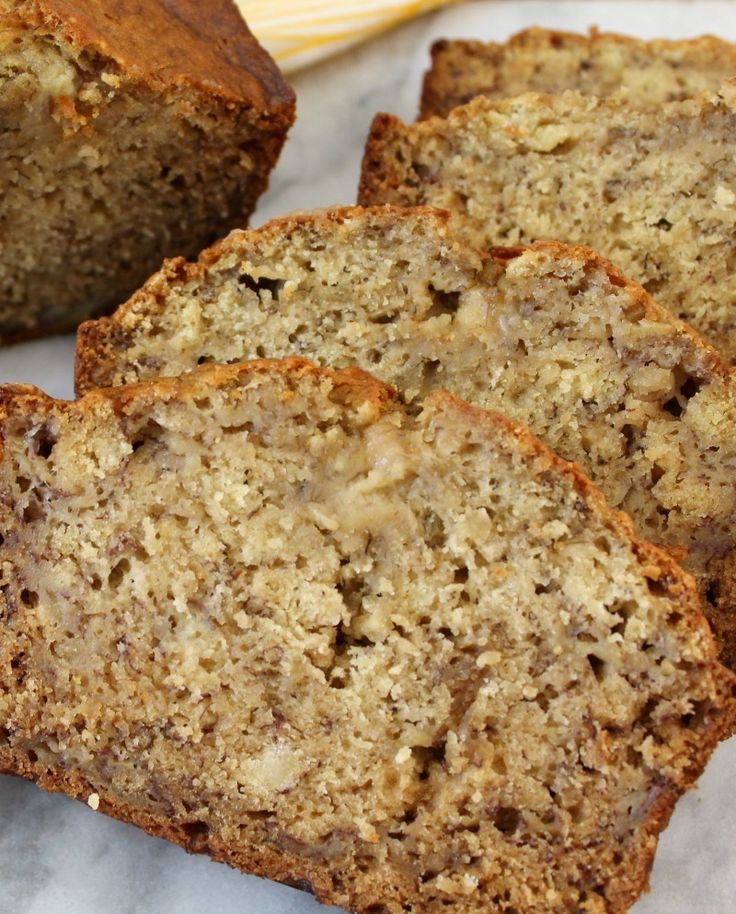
[301,32]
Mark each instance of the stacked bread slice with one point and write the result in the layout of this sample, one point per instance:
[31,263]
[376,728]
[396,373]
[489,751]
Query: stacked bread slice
[648,73]
[653,189]
[406,658]
[553,336]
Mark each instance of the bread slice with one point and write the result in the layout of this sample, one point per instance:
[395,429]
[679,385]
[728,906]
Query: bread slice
[131,131]
[599,63]
[207,631]
[653,190]
[553,336]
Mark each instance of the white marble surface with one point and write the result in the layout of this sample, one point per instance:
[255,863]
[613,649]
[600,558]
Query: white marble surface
[57,856]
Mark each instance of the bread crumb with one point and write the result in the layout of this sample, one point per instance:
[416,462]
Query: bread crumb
[93,801]
[403,755]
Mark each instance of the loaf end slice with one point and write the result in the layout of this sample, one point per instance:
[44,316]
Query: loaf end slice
[206,631]
[650,73]
[131,131]
[653,190]
[552,335]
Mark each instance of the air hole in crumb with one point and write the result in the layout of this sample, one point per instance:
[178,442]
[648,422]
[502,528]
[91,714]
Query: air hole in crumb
[628,434]
[673,407]
[23,483]
[598,666]
[442,302]
[656,473]
[197,831]
[383,318]
[461,575]
[262,284]
[33,511]
[32,757]
[29,598]
[430,371]
[45,442]
[117,573]
[690,387]
[203,359]
[698,716]
[657,588]
[261,352]
[645,715]
[506,819]
[428,757]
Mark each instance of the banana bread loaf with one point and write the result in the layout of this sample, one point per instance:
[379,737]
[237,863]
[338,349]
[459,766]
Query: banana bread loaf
[501,720]
[538,60]
[553,336]
[653,190]
[131,131]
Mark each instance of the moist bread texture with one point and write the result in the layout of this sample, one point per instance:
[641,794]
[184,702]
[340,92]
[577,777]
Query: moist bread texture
[206,628]
[553,336]
[599,63]
[132,131]
[655,191]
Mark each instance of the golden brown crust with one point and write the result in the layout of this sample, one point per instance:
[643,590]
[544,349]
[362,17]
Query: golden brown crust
[169,44]
[440,92]
[23,398]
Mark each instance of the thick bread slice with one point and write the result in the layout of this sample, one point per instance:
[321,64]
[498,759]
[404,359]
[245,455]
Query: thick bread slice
[538,60]
[131,130]
[553,336]
[653,190]
[411,662]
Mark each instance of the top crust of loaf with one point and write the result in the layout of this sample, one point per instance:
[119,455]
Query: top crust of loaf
[462,69]
[180,43]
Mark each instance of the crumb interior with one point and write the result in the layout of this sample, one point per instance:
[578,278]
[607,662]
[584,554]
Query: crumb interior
[407,651]
[654,191]
[549,338]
